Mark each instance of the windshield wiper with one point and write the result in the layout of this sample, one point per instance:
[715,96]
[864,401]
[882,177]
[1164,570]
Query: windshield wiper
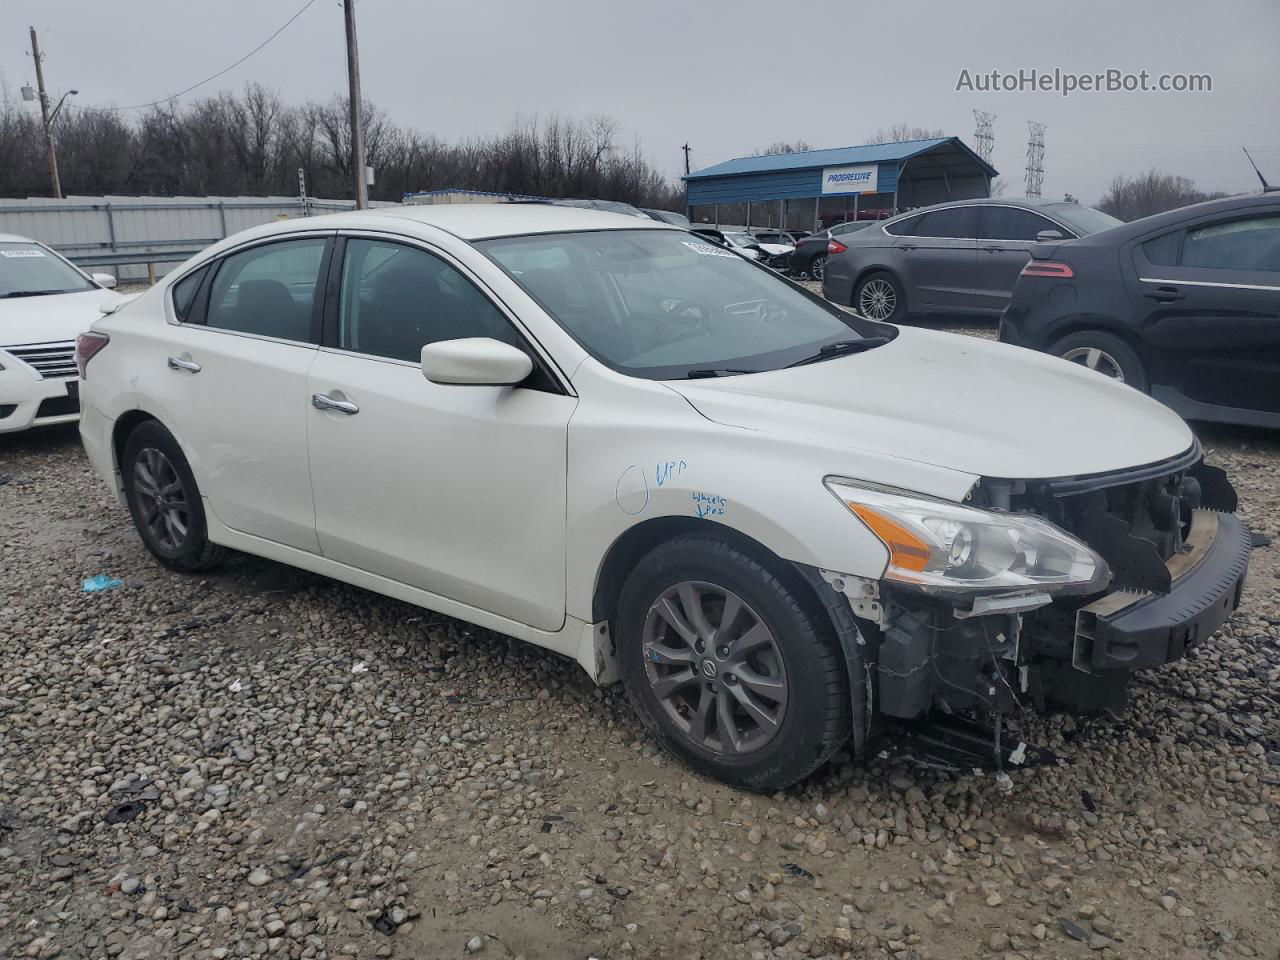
[842,348]
[707,372]
[29,293]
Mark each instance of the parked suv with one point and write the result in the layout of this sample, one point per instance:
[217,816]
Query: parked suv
[957,258]
[1184,304]
[780,524]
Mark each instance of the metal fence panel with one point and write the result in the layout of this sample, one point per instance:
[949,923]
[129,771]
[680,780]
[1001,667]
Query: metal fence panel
[142,237]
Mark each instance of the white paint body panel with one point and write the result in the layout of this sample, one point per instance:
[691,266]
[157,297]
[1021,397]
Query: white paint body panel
[498,505]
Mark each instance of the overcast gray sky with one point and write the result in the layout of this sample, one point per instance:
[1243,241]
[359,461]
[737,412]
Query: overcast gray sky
[728,77]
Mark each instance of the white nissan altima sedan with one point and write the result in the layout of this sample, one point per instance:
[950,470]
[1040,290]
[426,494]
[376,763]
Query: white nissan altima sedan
[780,525]
[45,303]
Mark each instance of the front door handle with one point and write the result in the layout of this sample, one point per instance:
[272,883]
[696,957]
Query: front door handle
[184,363]
[1165,294]
[323,401]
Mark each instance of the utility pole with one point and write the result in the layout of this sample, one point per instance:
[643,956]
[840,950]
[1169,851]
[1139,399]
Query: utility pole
[357,120]
[48,119]
[685,148]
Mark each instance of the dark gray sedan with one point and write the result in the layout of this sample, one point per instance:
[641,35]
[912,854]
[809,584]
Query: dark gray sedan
[958,258]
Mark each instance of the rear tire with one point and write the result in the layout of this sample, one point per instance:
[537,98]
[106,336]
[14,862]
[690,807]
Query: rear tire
[1104,352]
[818,266]
[879,296]
[165,502]
[758,702]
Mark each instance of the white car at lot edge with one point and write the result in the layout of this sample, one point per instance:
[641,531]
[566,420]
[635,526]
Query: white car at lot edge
[780,525]
[45,303]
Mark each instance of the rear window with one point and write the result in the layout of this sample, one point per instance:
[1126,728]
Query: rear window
[1163,250]
[958,223]
[1083,220]
[902,228]
[1252,243]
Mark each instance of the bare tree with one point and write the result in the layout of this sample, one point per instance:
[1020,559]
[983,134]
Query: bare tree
[1151,192]
[903,131]
[781,147]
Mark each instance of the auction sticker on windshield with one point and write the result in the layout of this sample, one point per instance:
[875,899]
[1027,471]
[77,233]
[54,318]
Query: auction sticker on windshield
[17,254]
[707,250]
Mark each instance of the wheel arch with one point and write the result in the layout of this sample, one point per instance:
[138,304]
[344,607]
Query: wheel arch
[124,426]
[1082,322]
[636,541]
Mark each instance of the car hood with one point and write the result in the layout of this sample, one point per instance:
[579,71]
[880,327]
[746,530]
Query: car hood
[953,401]
[58,316]
[776,249]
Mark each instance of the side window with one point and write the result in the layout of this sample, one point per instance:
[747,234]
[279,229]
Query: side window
[1248,244]
[268,290]
[902,228]
[958,223]
[1011,223]
[184,293]
[396,299]
[1163,250]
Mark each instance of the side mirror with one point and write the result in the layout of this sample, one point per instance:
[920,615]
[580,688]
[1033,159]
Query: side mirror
[106,280]
[1045,236]
[476,362]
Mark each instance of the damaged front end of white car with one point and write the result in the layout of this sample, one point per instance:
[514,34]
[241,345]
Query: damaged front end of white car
[1045,593]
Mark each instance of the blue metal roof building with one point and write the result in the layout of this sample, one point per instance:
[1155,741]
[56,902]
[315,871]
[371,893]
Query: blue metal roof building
[801,190]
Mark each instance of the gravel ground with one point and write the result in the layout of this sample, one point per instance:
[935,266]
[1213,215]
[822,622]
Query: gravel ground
[268,763]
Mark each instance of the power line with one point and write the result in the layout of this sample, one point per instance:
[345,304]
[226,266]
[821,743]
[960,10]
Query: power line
[983,138]
[156,103]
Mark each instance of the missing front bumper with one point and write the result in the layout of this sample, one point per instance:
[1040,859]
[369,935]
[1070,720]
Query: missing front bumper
[1129,630]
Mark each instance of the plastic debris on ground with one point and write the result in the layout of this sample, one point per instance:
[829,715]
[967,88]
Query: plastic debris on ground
[101,582]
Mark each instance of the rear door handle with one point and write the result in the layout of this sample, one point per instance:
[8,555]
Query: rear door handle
[995,249]
[323,401]
[906,246]
[184,363]
[1165,294]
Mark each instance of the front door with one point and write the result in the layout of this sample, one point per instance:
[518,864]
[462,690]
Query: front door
[231,373]
[1208,299]
[456,490]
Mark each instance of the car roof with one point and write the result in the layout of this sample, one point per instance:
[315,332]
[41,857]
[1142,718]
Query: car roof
[15,238]
[479,221]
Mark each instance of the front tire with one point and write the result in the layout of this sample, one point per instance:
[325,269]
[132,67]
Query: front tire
[1104,352]
[879,296]
[731,665]
[164,500]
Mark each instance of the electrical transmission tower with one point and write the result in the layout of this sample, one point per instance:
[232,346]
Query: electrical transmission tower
[983,139]
[1035,158]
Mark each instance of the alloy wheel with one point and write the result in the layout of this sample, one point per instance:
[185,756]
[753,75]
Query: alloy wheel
[715,667]
[161,499]
[1096,359]
[817,267]
[877,299]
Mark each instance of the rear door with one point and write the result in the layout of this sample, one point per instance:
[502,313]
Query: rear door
[1208,295]
[937,259]
[1005,236]
[229,373]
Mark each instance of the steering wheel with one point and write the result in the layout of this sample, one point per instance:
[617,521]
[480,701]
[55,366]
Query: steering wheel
[673,328]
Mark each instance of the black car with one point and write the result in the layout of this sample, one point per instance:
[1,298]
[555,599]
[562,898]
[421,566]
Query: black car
[1184,305]
[810,257]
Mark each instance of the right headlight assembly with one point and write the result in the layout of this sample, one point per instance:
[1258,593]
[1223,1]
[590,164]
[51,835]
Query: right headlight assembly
[942,547]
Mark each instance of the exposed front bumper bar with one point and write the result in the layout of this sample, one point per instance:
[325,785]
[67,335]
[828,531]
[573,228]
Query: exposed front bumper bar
[1134,631]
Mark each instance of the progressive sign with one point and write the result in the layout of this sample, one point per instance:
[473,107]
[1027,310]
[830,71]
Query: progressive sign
[860,178]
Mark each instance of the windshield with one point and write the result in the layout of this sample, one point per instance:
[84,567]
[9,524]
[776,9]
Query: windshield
[31,270]
[1084,220]
[665,304]
[741,239]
